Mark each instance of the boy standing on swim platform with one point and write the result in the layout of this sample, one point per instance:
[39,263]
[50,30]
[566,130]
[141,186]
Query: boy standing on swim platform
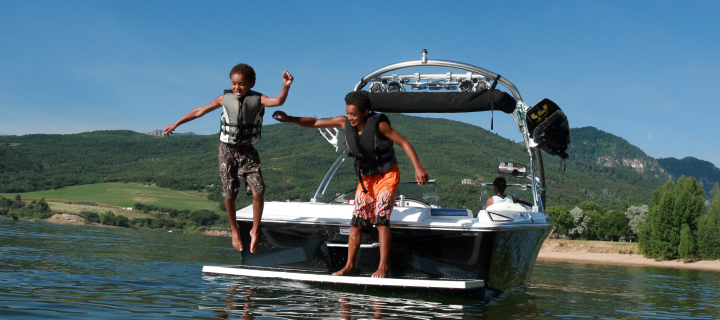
[241,124]
[370,138]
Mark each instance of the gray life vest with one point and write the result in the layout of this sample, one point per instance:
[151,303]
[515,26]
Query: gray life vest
[372,154]
[241,121]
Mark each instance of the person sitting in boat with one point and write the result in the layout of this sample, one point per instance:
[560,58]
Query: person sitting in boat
[499,186]
[370,139]
[240,128]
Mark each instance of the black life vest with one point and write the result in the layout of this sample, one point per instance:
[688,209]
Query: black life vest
[372,154]
[241,121]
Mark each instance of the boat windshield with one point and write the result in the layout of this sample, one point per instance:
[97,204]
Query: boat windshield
[428,193]
[519,188]
[408,190]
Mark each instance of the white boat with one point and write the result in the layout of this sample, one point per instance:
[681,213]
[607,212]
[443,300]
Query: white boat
[432,246]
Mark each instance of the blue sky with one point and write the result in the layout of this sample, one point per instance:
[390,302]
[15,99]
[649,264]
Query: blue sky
[645,71]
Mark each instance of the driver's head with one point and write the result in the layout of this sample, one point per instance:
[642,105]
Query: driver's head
[499,185]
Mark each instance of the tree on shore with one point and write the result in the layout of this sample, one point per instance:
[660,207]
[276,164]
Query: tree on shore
[636,215]
[671,206]
[581,223]
[708,234]
[613,225]
[629,202]
[562,219]
[686,248]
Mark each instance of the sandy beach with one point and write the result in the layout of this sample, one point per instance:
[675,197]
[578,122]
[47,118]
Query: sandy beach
[611,253]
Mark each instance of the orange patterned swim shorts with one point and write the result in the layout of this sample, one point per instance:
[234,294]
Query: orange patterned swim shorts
[375,206]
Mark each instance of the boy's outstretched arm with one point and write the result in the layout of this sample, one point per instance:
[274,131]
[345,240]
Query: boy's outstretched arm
[308,122]
[194,114]
[287,80]
[420,175]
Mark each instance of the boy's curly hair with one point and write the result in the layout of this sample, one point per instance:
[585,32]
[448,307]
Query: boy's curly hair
[244,70]
[358,99]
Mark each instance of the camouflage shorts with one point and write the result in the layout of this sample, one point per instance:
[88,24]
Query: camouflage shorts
[236,163]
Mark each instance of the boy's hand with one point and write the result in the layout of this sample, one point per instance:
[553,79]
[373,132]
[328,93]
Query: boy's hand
[421,176]
[169,130]
[281,116]
[287,78]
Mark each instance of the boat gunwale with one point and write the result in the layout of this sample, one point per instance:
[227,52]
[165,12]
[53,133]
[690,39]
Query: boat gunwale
[421,227]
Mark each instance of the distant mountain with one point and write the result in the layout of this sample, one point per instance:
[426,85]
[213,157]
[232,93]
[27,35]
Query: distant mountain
[159,133]
[704,171]
[598,147]
[594,146]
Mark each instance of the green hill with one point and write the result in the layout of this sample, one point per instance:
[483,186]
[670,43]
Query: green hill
[705,172]
[295,159]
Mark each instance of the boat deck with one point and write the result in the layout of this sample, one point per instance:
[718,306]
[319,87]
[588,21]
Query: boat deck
[458,284]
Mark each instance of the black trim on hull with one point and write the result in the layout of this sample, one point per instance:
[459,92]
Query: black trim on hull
[419,254]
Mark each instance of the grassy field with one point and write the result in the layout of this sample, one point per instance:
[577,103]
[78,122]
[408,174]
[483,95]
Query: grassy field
[64,206]
[109,196]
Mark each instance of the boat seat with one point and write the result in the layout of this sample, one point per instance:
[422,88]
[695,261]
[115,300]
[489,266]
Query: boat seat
[506,207]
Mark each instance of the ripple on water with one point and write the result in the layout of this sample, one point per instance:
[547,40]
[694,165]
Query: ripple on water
[71,272]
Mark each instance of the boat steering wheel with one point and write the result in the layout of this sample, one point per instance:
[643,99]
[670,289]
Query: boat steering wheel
[523,202]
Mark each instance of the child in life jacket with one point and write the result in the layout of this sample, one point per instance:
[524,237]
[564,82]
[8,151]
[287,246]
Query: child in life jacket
[370,139]
[241,125]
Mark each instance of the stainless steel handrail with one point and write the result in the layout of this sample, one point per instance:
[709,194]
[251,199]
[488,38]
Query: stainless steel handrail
[439,63]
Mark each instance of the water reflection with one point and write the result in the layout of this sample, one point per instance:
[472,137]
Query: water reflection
[68,272]
[348,308]
[247,298]
[237,301]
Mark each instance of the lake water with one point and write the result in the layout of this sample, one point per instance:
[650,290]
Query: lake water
[52,271]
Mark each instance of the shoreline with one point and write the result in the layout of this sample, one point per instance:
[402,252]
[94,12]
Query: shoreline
[77,220]
[610,253]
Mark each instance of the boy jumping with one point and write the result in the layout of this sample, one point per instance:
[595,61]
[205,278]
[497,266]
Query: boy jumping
[370,138]
[241,124]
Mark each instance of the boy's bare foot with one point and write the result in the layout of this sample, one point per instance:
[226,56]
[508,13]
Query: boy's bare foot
[345,272]
[236,242]
[253,242]
[381,272]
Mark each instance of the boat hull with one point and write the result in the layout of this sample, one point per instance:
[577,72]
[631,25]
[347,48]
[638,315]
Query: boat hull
[501,258]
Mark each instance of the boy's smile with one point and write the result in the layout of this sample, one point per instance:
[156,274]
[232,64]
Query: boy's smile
[240,86]
[354,115]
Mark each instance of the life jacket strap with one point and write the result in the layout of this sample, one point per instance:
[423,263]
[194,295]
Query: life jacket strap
[357,172]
